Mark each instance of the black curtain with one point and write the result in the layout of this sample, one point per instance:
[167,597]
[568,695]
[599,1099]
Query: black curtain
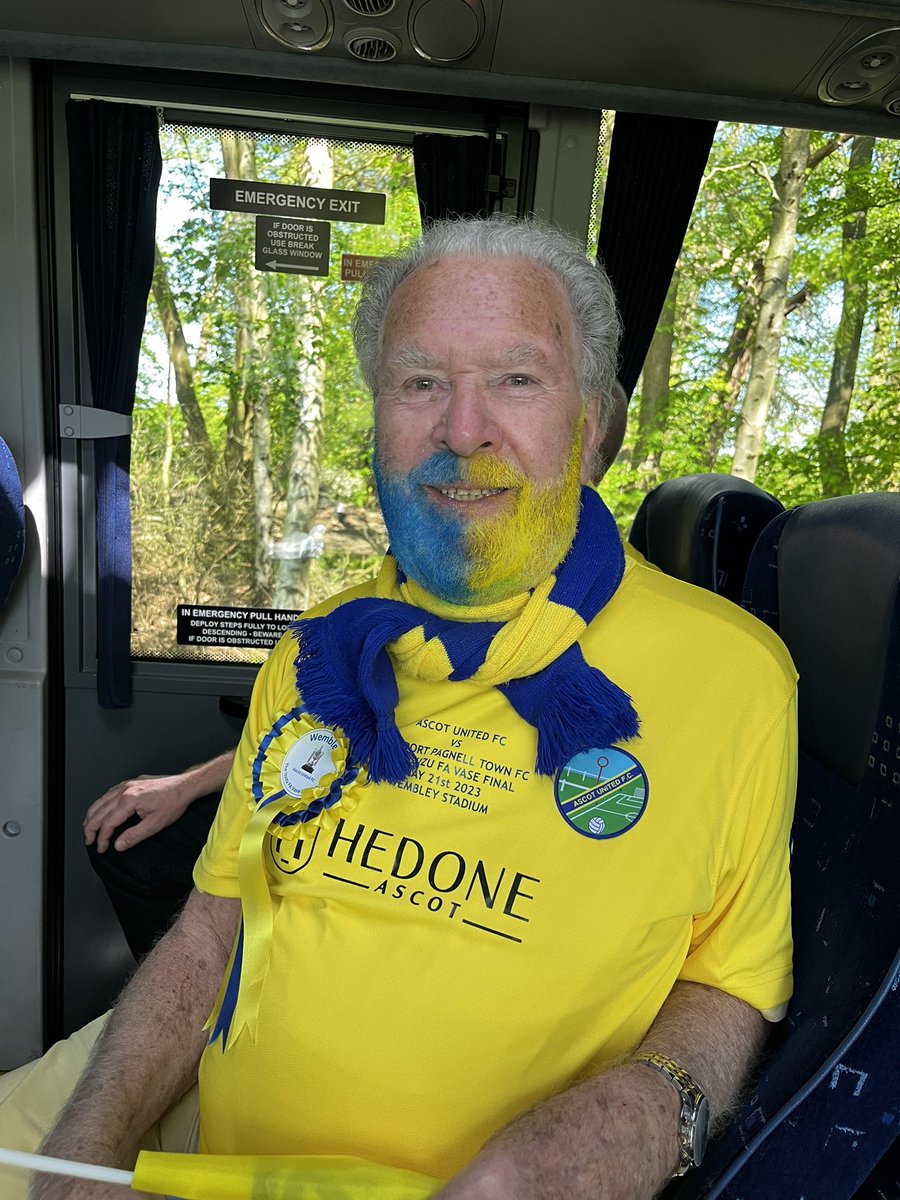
[114,170]
[655,168]
[451,175]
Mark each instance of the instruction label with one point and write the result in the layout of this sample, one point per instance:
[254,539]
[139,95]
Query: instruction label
[253,628]
[292,247]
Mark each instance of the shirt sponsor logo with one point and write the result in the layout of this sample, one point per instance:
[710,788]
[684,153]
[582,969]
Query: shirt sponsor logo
[489,898]
[601,792]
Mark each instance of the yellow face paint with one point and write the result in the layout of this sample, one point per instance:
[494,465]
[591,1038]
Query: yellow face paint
[518,549]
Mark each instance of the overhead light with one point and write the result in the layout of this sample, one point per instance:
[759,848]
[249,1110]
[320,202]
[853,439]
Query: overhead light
[864,70]
[299,24]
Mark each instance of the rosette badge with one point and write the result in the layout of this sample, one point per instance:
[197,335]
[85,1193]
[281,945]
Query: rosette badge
[301,775]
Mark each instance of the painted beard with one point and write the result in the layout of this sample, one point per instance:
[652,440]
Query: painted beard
[479,561]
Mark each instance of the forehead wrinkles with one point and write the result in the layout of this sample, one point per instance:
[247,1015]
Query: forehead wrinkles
[516,290]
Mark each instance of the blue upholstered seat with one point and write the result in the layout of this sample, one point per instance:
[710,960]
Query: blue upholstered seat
[12,522]
[825,1113]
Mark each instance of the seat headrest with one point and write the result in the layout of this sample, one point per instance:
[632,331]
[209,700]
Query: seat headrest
[12,521]
[825,577]
[702,528]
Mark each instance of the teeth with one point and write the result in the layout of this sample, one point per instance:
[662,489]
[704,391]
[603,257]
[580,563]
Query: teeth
[473,494]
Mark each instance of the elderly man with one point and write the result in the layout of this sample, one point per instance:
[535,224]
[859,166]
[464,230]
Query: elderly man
[498,888]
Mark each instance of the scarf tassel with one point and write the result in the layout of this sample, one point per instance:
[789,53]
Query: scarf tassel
[335,698]
[573,707]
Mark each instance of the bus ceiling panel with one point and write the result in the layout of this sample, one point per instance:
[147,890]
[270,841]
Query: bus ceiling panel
[696,45]
[771,62]
[184,22]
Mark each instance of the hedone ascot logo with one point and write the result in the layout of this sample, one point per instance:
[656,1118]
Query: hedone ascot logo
[602,792]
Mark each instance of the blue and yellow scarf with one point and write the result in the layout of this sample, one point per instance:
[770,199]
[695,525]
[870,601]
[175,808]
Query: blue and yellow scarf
[526,647]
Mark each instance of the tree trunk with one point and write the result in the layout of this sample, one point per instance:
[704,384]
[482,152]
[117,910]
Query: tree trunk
[769,330]
[302,498]
[648,443]
[732,370]
[249,403]
[180,358]
[833,469]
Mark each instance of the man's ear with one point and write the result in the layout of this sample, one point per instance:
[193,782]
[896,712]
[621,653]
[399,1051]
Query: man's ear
[591,437]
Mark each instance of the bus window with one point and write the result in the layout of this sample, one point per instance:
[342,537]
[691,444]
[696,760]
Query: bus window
[250,477]
[775,354]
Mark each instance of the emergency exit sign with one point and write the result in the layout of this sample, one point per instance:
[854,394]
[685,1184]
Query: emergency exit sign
[324,204]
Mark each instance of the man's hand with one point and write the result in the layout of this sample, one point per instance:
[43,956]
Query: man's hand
[147,1055]
[615,1137]
[51,1187]
[612,1138]
[158,800]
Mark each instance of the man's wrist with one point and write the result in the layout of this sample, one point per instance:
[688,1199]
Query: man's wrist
[692,1126]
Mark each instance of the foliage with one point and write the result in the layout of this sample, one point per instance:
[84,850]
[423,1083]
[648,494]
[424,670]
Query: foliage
[719,267]
[203,521]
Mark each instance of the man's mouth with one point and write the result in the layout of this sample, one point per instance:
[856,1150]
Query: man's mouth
[455,493]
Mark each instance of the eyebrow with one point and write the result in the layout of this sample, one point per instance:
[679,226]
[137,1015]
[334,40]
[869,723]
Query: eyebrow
[410,356]
[524,353]
[415,357]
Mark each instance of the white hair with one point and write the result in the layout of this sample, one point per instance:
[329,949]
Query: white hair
[584,281]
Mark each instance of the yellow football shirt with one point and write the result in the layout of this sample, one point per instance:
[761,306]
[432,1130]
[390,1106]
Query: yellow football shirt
[453,950]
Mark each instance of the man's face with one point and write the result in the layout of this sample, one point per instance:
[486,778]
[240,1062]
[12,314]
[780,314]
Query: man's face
[480,433]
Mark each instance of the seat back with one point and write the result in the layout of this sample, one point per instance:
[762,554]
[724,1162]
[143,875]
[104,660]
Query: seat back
[702,528]
[827,1107]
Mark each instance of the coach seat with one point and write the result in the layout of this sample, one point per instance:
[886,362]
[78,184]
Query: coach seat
[702,528]
[826,1110]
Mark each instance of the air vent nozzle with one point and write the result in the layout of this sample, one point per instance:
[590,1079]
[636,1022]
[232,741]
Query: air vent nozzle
[370,8]
[371,45]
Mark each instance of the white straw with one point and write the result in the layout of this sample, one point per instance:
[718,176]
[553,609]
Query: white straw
[62,1166]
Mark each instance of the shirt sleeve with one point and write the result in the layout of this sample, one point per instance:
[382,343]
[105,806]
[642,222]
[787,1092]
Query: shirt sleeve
[274,693]
[743,945]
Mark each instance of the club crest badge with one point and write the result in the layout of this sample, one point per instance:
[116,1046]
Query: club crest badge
[601,792]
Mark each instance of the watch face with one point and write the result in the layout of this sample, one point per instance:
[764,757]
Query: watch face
[700,1131]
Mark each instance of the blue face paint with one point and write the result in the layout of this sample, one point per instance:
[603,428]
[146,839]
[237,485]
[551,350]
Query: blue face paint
[426,541]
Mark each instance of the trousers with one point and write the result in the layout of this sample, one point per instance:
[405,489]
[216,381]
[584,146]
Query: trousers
[32,1097]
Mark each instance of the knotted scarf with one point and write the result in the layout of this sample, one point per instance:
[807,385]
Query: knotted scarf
[345,672]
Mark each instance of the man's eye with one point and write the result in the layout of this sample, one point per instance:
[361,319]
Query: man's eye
[423,385]
[518,380]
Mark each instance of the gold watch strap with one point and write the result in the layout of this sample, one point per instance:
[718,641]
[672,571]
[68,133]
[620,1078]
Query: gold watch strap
[694,1117]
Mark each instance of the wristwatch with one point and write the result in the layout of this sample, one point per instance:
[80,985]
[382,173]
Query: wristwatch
[693,1123]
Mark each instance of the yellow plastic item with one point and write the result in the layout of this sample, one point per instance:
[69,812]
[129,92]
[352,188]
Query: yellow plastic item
[275,1177]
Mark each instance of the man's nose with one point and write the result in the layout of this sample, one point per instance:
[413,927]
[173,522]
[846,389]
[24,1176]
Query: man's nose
[467,424]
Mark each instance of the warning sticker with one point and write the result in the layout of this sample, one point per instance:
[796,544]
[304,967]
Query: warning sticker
[354,266]
[257,628]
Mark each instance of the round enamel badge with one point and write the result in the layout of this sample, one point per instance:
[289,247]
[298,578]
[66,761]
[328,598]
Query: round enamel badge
[602,793]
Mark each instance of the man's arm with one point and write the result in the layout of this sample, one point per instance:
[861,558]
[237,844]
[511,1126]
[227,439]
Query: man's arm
[157,799]
[615,1136]
[147,1056]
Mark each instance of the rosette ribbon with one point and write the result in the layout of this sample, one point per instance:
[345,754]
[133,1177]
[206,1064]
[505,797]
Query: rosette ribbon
[287,816]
